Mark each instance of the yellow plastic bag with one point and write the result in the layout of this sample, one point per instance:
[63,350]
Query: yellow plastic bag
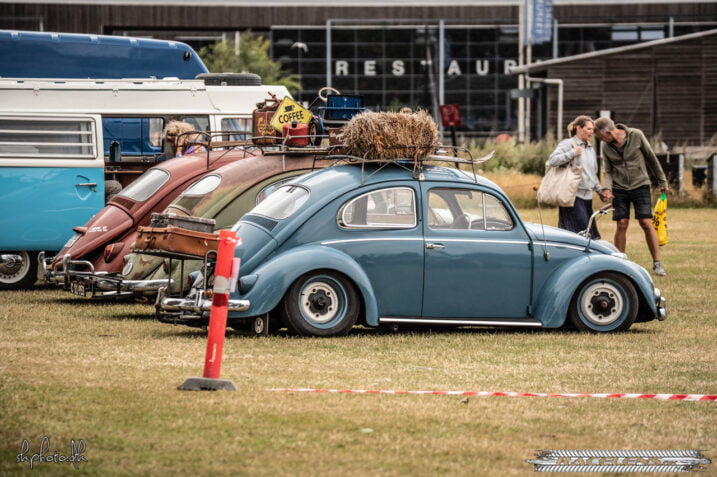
[659,219]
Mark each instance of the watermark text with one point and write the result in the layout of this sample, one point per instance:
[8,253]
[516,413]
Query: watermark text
[43,454]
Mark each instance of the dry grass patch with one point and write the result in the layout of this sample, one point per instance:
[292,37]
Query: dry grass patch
[107,373]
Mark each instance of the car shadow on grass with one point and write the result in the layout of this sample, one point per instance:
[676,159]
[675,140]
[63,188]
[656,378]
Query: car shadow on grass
[231,334]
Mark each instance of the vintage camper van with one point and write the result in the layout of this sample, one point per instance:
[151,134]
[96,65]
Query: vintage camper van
[61,141]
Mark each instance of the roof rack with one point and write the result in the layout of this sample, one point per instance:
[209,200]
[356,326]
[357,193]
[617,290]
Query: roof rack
[440,154]
[340,153]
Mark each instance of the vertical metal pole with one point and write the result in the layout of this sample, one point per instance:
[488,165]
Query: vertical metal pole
[528,60]
[441,75]
[441,61]
[555,39]
[328,53]
[560,110]
[521,77]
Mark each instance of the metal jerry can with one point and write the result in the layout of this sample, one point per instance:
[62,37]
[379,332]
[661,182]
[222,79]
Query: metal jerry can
[297,133]
[262,130]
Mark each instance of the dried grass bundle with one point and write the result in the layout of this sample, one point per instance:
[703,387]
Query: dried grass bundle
[391,135]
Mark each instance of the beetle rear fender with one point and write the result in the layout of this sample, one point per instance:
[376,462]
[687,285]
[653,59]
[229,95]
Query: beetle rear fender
[553,300]
[274,277]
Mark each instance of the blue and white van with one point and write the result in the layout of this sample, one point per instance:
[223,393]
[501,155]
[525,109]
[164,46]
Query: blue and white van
[52,175]
[62,141]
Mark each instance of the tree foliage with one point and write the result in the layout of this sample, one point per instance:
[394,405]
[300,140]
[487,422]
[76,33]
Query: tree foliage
[252,57]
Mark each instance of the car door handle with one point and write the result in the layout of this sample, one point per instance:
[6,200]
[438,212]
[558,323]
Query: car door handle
[87,184]
[435,245]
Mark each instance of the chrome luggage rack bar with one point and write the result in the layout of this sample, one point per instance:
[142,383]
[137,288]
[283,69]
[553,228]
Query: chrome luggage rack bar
[439,154]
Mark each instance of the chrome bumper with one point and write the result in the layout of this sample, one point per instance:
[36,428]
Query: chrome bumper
[192,310]
[660,304]
[61,271]
[45,273]
[197,304]
[83,279]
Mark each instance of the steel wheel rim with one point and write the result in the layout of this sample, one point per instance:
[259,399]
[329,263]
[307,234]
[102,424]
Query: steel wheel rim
[602,303]
[322,302]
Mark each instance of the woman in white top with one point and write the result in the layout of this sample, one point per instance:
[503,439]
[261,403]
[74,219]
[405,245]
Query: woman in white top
[578,146]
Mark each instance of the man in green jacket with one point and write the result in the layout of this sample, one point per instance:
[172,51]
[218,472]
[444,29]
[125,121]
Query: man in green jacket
[630,166]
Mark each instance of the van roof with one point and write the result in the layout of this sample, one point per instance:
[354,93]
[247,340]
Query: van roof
[130,96]
[28,54]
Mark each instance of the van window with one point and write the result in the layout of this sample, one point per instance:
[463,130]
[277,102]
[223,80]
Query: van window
[47,138]
[236,124]
[200,123]
[147,184]
[137,136]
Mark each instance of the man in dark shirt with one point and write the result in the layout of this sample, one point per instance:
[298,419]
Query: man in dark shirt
[630,166]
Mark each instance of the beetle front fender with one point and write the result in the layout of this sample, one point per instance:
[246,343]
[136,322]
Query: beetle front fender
[551,305]
[274,277]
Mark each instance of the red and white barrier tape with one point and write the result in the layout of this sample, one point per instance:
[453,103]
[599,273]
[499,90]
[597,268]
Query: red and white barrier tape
[663,397]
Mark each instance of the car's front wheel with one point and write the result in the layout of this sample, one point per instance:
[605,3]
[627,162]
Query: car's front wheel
[321,303]
[604,302]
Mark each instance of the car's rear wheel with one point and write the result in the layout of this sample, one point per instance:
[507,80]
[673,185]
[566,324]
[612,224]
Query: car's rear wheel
[321,303]
[603,303]
[16,274]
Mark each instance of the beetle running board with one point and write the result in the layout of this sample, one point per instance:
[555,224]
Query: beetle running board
[461,322]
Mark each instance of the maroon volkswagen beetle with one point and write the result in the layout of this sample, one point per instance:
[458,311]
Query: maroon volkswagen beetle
[105,239]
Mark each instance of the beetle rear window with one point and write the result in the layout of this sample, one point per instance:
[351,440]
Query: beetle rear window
[282,203]
[147,184]
[196,192]
[204,185]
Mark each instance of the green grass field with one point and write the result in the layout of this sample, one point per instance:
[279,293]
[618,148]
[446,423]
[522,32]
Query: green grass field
[108,373]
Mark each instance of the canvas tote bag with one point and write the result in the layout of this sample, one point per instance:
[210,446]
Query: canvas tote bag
[560,184]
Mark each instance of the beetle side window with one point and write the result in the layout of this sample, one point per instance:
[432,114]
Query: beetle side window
[497,216]
[463,209]
[385,208]
[282,203]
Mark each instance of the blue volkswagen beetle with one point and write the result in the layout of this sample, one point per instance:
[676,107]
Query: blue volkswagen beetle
[383,244]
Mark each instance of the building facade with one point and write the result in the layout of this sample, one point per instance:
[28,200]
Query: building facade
[411,53]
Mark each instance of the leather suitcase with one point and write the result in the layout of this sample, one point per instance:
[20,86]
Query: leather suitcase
[175,240]
[198,224]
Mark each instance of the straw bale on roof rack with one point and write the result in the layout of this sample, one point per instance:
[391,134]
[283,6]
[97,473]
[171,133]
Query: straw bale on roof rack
[391,135]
